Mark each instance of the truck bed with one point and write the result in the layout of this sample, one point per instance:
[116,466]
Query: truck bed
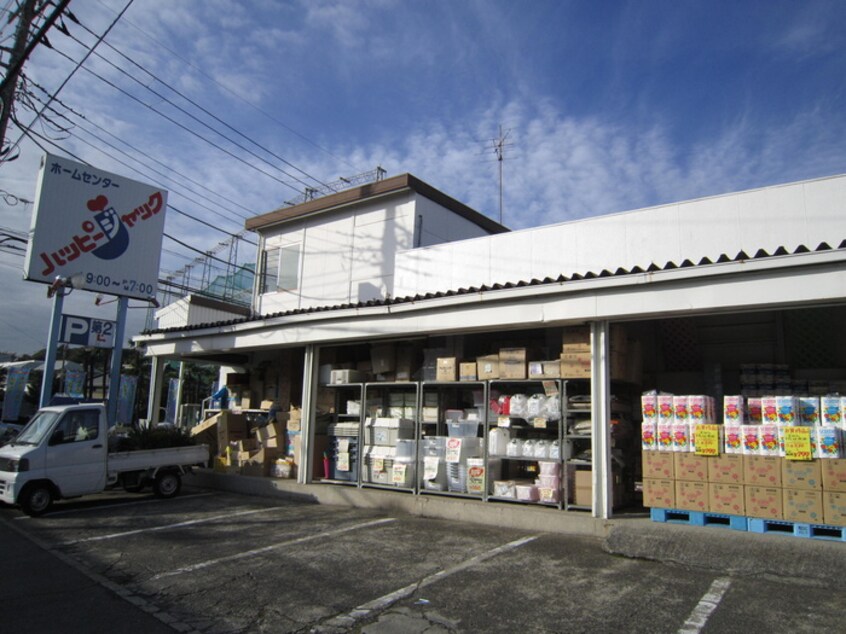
[143,459]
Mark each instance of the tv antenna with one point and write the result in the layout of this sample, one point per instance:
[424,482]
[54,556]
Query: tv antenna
[499,144]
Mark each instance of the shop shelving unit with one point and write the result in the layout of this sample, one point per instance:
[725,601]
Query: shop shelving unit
[344,433]
[534,441]
[389,454]
[578,443]
[443,467]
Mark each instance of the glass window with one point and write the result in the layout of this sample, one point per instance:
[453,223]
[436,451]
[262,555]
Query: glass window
[289,268]
[271,271]
[78,425]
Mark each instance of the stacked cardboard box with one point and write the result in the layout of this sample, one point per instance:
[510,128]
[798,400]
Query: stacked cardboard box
[576,353]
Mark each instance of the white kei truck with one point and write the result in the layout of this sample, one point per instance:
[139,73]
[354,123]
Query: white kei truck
[63,452]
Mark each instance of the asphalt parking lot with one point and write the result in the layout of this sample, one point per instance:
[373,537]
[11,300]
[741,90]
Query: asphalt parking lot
[214,562]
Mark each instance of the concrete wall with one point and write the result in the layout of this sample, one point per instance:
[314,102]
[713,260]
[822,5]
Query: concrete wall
[804,213]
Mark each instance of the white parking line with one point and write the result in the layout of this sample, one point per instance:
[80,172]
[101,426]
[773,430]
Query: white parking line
[709,602]
[114,506]
[348,620]
[166,527]
[259,551]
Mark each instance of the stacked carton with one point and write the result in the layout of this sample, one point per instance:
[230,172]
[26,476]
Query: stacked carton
[575,353]
[756,473]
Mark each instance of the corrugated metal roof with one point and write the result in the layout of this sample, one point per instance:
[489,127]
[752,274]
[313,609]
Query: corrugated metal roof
[604,273]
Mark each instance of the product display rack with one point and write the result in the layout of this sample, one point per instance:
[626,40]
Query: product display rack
[450,446]
[578,444]
[344,451]
[524,443]
[388,435]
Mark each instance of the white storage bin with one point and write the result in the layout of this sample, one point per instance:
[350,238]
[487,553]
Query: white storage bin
[386,431]
[406,449]
[527,492]
[505,489]
[462,428]
[550,468]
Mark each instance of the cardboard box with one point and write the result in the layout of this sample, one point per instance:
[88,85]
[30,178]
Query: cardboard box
[231,427]
[692,496]
[545,369]
[467,371]
[801,474]
[583,487]
[575,365]
[487,367]
[383,358]
[802,506]
[762,471]
[404,363]
[834,507]
[340,377]
[659,493]
[690,467]
[658,465]
[576,339]
[512,363]
[726,498]
[447,369]
[725,469]
[764,502]
[834,474]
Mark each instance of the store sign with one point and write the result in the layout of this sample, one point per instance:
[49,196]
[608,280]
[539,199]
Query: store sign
[87,331]
[707,440]
[797,443]
[98,227]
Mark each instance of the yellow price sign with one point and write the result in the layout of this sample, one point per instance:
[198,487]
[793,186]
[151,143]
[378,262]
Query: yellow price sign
[797,443]
[707,440]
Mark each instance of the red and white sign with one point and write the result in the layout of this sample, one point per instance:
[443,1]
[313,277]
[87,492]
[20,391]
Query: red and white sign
[97,225]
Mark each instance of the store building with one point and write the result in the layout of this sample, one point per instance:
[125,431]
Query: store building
[396,318]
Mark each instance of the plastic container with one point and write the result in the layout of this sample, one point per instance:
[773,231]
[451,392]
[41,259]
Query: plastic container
[541,449]
[519,407]
[406,449]
[548,481]
[514,448]
[527,492]
[498,439]
[462,428]
[505,489]
[550,468]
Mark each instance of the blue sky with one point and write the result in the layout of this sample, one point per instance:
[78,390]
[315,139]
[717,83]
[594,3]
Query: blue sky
[608,106]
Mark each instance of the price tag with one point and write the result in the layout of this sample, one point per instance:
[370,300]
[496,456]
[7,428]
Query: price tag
[378,465]
[398,476]
[343,445]
[343,463]
[550,388]
[503,421]
[548,494]
[539,423]
[707,440]
[430,467]
[475,479]
[453,450]
[797,443]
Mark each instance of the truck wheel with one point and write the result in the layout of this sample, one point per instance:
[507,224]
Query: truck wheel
[167,484]
[36,499]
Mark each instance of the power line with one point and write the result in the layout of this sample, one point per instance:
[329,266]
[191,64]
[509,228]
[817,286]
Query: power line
[267,115]
[196,105]
[178,124]
[76,68]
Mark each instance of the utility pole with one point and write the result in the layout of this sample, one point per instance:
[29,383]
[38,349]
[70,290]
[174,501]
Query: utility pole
[21,49]
[499,145]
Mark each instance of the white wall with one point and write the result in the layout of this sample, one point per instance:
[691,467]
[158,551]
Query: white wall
[347,256]
[439,225]
[805,213]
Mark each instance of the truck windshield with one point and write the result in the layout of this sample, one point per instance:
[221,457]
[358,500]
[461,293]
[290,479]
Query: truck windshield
[37,428]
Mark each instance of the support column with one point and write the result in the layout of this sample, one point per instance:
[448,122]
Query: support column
[600,385]
[52,343]
[309,398]
[117,358]
[155,395]
[178,413]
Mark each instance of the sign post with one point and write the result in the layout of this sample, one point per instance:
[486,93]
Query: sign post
[103,233]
